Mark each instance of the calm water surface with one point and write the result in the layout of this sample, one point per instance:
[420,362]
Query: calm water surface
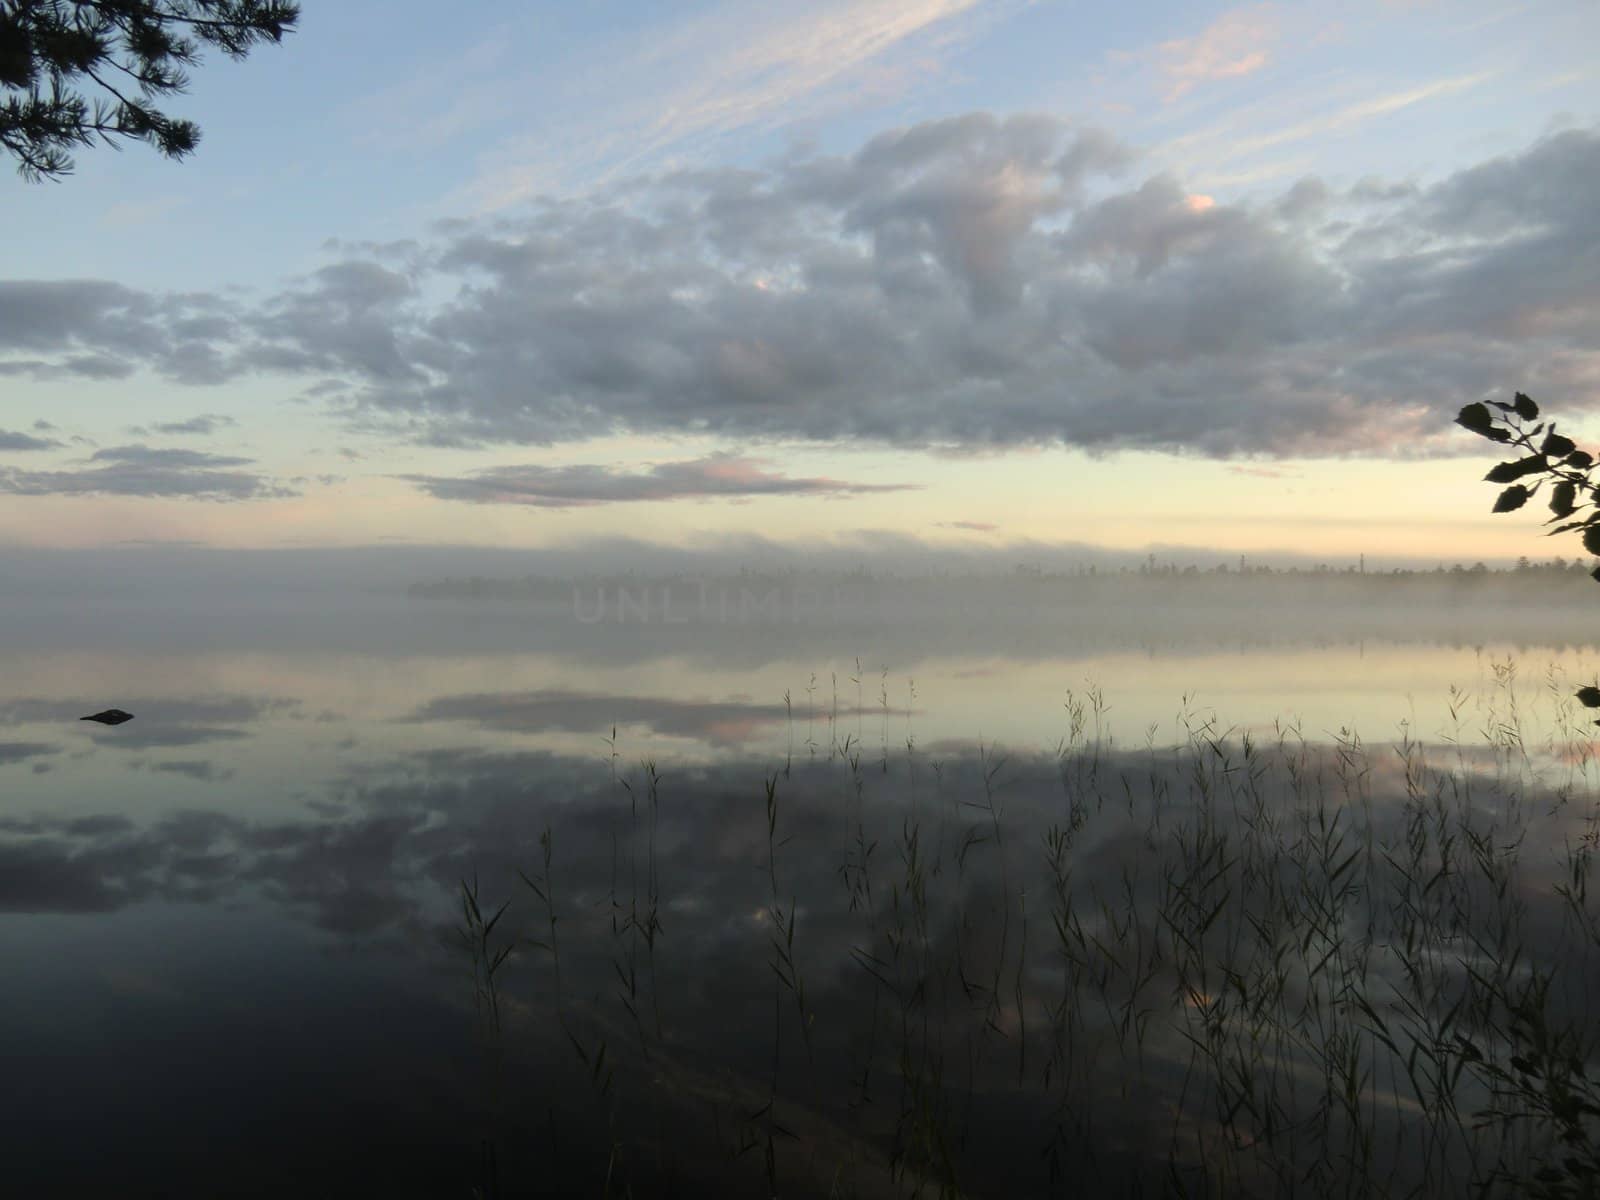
[230,925]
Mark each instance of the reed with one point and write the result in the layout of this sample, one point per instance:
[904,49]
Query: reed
[1220,965]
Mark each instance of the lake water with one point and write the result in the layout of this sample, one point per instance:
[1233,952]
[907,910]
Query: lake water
[232,925]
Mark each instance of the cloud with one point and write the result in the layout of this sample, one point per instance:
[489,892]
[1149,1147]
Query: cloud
[205,423]
[157,456]
[55,876]
[717,475]
[579,712]
[967,283]
[128,213]
[10,440]
[202,770]
[972,526]
[158,721]
[95,329]
[1209,149]
[139,470]
[15,752]
[1233,45]
[719,723]
[1260,472]
[173,734]
[734,69]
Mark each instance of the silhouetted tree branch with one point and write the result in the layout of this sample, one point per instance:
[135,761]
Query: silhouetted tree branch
[132,50]
[1551,458]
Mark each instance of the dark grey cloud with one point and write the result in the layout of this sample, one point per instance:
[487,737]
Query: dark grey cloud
[11,440]
[971,282]
[98,329]
[49,875]
[205,423]
[717,475]
[162,735]
[160,456]
[139,470]
[158,721]
[15,752]
[94,826]
[104,862]
[200,769]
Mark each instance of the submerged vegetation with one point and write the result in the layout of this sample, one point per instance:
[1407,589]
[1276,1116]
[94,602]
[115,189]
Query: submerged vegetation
[1237,963]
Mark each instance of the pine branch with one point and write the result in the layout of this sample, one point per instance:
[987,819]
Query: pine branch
[64,40]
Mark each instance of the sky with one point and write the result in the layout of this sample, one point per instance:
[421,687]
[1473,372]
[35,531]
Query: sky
[951,272]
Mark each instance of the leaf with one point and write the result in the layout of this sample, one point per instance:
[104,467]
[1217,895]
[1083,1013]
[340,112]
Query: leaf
[1526,408]
[1498,435]
[1589,696]
[1507,471]
[1591,539]
[1477,418]
[1561,499]
[1513,498]
[1557,444]
[1581,459]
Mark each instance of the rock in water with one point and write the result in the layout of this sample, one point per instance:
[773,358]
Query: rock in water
[111,716]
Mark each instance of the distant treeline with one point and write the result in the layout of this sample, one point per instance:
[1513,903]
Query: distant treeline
[1525,573]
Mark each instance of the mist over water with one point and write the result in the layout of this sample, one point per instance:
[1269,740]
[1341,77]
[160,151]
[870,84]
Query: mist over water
[247,899]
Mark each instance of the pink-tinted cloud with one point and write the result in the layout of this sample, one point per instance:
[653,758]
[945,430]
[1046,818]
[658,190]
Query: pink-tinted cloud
[1261,472]
[1234,45]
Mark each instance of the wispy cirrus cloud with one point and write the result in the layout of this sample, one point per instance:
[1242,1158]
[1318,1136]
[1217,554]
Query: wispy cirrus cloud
[1263,472]
[669,92]
[1230,152]
[717,476]
[1236,44]
[1359,112]
[766,67]
[736,69]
